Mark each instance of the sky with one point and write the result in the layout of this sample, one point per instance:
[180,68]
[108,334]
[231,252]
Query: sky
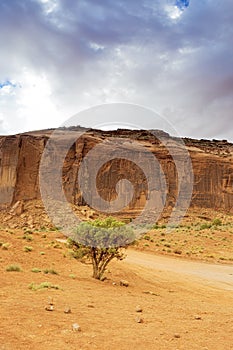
[59,57]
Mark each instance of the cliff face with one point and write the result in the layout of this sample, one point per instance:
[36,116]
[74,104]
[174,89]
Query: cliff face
[212,163]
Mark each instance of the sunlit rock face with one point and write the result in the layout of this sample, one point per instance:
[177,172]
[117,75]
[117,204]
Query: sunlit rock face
[212,163]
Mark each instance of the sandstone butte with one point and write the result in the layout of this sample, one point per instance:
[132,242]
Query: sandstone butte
[20,157]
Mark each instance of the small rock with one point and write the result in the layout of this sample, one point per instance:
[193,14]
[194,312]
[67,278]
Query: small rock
[138,308]
[197,317]
[76,327]
[67,310]
[49,308]
[114,283]
[17,208]
[124,283]
[150,292]
[177,335]
[139,320]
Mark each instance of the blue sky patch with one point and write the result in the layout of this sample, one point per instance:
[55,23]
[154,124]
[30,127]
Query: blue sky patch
[7,83]
[182,4]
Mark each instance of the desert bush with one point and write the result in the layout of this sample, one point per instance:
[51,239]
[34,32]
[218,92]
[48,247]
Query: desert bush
[51,271]
[205,226]
[155,227]
[55,244]
[15,268]
[29,232]
[217,222]
[36,270]
[146,237]
[27,237]
[27,249]
[101,241]
[167,245]
[43,285]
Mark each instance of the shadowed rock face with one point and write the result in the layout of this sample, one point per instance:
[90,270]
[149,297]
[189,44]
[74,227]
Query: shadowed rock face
[212,163]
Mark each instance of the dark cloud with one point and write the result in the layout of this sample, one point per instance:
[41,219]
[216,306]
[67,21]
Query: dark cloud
[133,51]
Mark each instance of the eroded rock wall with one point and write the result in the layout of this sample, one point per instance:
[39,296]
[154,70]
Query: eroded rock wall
[212,162]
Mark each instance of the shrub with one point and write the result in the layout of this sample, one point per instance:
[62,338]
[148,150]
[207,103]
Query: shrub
[27,249]
[101,241]
[51,271]
[36,270]
[217,222]
[155,226]
[15,268]
[29,231]
[43,285]
[146,237]
[167,245]
[205,226]
[27,237]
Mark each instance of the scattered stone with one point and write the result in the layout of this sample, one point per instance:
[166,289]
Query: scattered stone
[177,335]
[197,317]
[90,305]
[114,283]
[139,319]
[49,308]
[12,226]
[67,310]
[17,208]
[124,283]
[30,220]
[151,293]
[7,218]
[76,327]
[138,308]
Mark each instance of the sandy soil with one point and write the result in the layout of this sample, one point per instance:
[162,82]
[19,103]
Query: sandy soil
[216,275]
[185,306]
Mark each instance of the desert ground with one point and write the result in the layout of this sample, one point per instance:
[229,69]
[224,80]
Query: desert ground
[186,300]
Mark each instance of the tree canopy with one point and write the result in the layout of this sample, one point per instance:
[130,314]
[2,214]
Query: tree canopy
[102,241]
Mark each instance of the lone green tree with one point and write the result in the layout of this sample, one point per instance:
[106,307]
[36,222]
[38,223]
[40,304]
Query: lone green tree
[101,241]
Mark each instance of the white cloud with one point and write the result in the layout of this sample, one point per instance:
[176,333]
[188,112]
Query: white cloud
[70,55]
[173,11]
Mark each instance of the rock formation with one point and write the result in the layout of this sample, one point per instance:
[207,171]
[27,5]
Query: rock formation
[20,157]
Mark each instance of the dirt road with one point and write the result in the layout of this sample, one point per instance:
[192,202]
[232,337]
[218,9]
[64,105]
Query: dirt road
[219,276]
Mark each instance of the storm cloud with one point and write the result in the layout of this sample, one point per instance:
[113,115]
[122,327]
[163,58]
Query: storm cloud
[60,57]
